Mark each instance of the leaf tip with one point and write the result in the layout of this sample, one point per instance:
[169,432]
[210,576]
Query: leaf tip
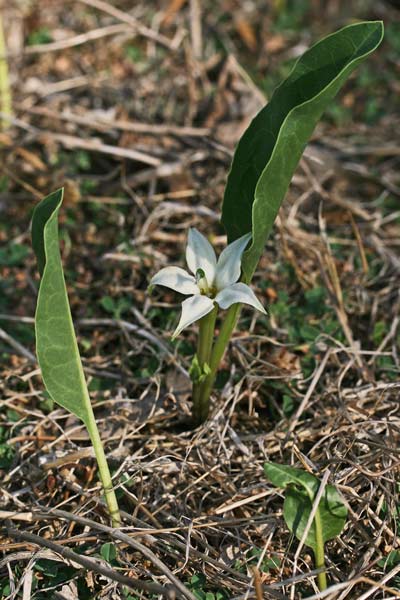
[42,213]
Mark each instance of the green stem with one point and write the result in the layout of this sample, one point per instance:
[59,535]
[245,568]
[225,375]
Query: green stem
[319,552]
[104,471]
[216,355]
[5,93]
[206,335]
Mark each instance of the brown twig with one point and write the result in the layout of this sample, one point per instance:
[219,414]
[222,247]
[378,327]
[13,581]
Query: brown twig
[123,537]
[91,564]
[130,20]
[71,42]
[71,142]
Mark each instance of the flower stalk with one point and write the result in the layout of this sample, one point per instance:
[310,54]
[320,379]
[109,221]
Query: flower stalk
[204,348]
[216,356]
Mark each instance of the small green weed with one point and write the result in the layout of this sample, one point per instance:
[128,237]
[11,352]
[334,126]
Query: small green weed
[7,452]
[40,36]
[133,53]
[198,585]
[116,306]
[268,564]
[13,255]
[109,553]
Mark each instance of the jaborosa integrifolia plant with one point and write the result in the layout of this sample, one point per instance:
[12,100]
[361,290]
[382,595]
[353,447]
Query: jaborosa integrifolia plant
[262,167]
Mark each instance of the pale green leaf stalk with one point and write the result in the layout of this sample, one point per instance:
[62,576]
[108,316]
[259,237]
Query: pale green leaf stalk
[301,492]
[5,90]
[270,149]
[56,345]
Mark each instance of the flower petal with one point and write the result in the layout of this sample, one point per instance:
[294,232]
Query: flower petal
[238,292]
[200,255]
[228,266]
[193,309]
[177,279]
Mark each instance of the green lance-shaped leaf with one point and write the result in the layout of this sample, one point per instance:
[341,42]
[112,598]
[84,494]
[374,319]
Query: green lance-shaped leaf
[301,490]
[270,149]
[56,345]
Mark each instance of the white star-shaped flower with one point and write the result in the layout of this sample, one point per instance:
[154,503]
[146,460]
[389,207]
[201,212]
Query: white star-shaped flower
[212,281]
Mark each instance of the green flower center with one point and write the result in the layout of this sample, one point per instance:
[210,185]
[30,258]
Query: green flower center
[202,282]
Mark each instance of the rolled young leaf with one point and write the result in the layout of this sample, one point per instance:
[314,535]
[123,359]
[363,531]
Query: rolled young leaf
[301,490]
[56,345]
[270,149]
